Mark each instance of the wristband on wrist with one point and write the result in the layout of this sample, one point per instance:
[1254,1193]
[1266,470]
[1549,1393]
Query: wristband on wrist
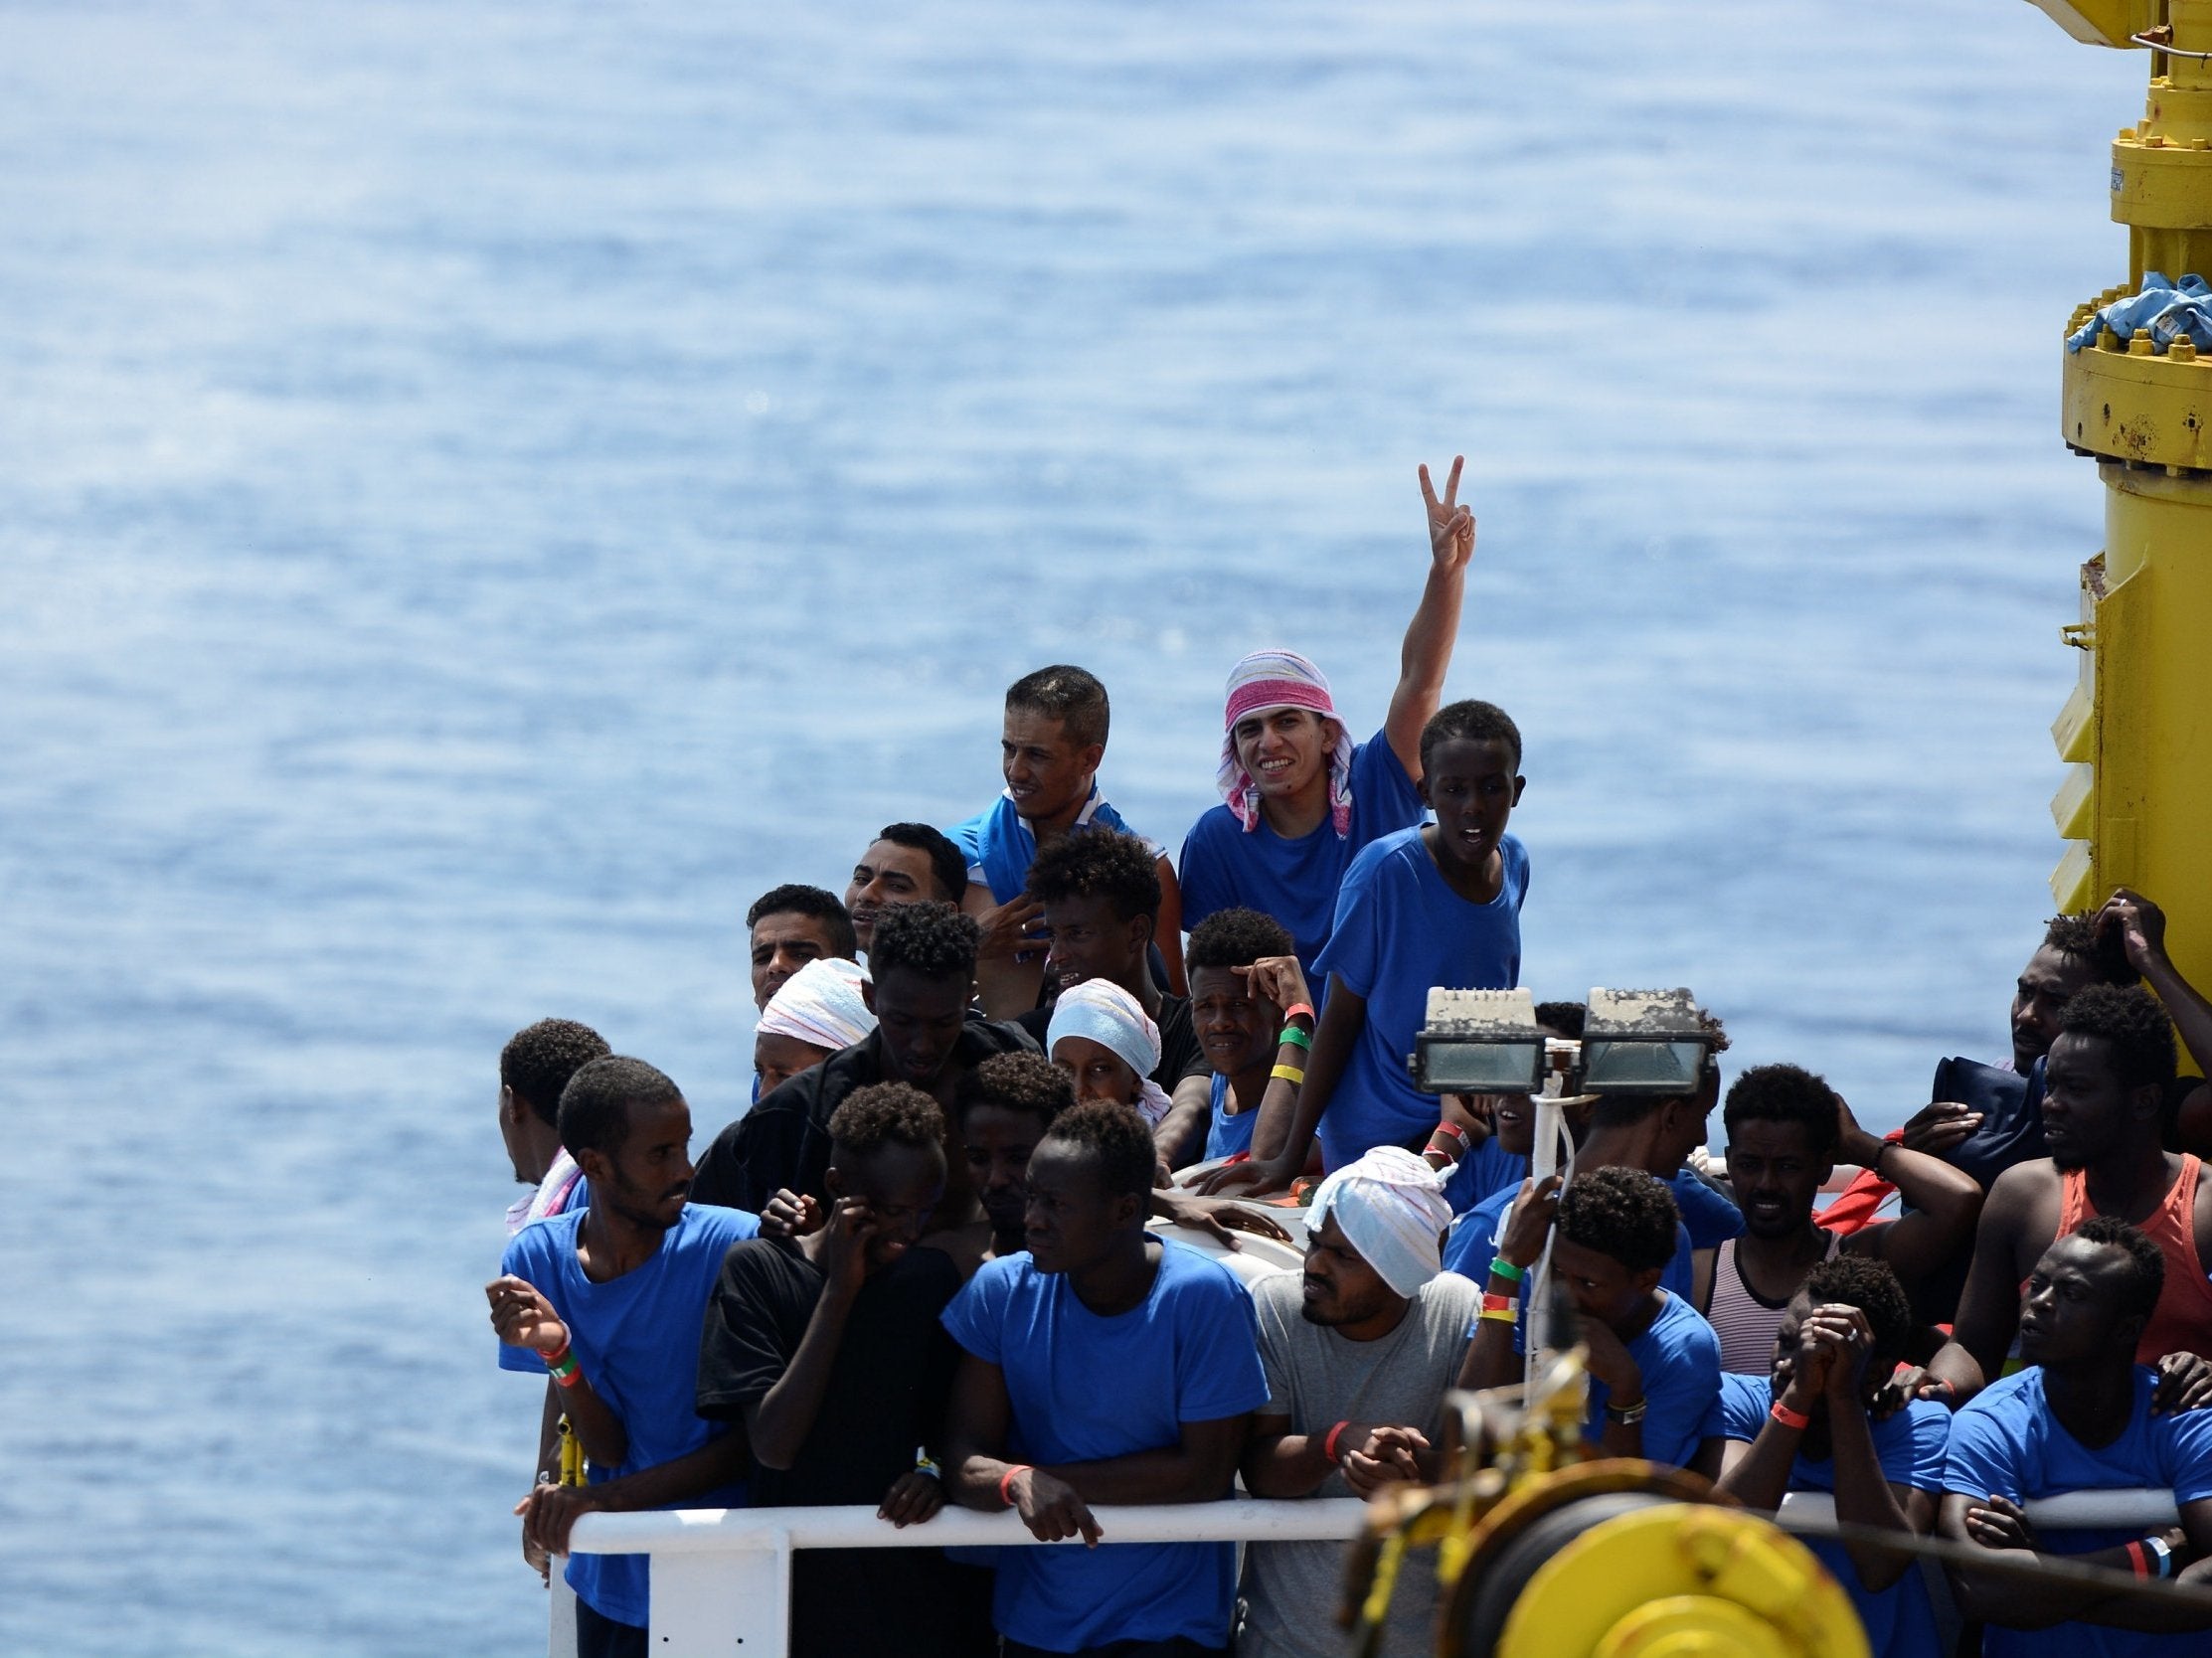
[1295,1036]
[1006,1480]
[1497,1303]
[1329,1446]
[924,1463]
[553,1355]
[1499,1315]
[1299,1010]
[565,1372]
[1289,1073]
[1508,1270]
[2161,1556]
[2137,1560]
[1790,1419]
[1453,1133]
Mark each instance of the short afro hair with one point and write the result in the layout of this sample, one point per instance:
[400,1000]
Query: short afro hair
[1785,1094]
[2131,1024]
[1071,695]
[933,940]
[538,1060]
[1236,938]
[1624,1214]
[2103,950]
[596,1106]
[1116,1139]
[1098,863]
[2147,1280]
[886,1114]
[1868,1284]
[1567,1018]
[947,864]
[1469,722]
[793,899]
[1026,1083]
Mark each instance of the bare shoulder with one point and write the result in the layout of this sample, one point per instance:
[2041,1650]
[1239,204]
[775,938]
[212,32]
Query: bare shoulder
[2023,1208]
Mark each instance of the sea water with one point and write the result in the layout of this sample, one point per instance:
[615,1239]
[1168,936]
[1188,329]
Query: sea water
[486,490]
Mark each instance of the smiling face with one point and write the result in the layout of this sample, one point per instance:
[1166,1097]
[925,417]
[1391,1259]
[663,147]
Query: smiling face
[888,873]
[1098,1071]
[782,945]
[1047,774]
[1091,942]
[1286,750]
[2070,1307]
[1238,1028]
[1473,788]
[647,1178]
[2046,984]
[1776,1173]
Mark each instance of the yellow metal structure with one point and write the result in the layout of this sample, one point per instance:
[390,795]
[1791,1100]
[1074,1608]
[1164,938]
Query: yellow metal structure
[2137,803]
[1684,1582]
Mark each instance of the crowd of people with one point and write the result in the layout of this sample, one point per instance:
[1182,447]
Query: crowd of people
[1021,1088]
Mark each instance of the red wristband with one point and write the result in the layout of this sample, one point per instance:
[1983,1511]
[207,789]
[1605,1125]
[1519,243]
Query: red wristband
[1500,1303]
[1329,1446]
[552,1356]
[2138,1559]
[1007,1478]
[1789,1418]
[1295,1008]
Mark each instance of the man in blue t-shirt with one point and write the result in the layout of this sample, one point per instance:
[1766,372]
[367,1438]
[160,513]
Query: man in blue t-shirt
[2081,1417]
[1439,905]
[612,1298]
[1055,736]
[1102,1366]
[1300,799]
[1812,1425]
[1654,1365]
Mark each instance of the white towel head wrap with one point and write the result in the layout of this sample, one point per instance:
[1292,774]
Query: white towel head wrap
[1391,1208]
[1103,1012]
[821,1005]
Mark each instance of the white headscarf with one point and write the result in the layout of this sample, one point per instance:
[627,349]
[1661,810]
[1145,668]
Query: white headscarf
[820,1005]
[1392,1209]
[1110,1016]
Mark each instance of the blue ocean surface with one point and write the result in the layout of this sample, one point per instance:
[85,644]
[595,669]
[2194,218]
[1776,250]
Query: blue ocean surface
[487,489]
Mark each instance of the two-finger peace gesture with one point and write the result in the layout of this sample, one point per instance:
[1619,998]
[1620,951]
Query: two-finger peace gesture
[1451,526]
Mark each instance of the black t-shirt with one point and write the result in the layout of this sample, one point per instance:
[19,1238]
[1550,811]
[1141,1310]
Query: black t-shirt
[1180,1054]
[886,1393]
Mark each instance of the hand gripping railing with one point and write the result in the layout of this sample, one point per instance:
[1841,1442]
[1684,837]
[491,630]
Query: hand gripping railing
[722,1576]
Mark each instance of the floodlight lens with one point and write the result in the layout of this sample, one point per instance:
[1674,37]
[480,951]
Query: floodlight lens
[1641,1067]
[1444,1067]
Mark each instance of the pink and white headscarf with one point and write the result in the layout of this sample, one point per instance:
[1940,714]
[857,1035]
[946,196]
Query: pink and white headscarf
[820,1005]
[1261,683]
[1100,1010]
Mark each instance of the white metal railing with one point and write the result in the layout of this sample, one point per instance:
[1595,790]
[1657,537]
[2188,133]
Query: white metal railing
[721,1576]
[2069,1511]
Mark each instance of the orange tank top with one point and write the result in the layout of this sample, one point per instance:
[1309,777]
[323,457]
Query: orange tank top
[2182,1320]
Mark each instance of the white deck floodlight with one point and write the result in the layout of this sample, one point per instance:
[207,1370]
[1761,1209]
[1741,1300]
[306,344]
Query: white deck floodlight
[1643,1042]
[1478,1042]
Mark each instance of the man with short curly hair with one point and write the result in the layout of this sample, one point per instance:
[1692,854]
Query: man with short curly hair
[2109,1072]
[923,965]
[1127,1367]
[1654,1366]
[534,1067]
[829,1350]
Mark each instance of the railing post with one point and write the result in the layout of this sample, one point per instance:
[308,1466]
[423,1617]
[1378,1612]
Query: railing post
[734,1605]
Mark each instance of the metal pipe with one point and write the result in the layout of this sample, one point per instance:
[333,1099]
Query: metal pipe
[2069,1511]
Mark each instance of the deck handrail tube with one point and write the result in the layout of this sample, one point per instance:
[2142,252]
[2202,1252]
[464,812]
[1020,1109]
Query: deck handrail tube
[2068,1511]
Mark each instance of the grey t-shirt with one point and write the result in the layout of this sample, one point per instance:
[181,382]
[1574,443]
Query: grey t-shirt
[1319,1378]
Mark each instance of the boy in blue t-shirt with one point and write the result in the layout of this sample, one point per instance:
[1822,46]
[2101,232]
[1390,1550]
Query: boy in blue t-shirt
[1102,1366]
[1299,798]
[614,1297]
[1811,1427]
[2081,1417]
[1439,905]
[1654,1365]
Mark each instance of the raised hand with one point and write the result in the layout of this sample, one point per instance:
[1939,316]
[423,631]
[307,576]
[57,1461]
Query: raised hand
[1010,931]
[523,1317]
[852,1227]
[1938,1129]
[1278,979]
[1451,526]
[1846,1327]
[1530,1223]
[790,1214]
[2142,923]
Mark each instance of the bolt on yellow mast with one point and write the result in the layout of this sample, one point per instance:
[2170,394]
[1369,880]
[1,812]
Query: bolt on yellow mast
[2137,803]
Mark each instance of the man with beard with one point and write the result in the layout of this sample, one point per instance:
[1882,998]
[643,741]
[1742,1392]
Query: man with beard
[2083,1416]
[906,863]
[924,962]
[1787,1131]
[1358,1352]
[2109,1072]
[608,1299]
[791,925]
